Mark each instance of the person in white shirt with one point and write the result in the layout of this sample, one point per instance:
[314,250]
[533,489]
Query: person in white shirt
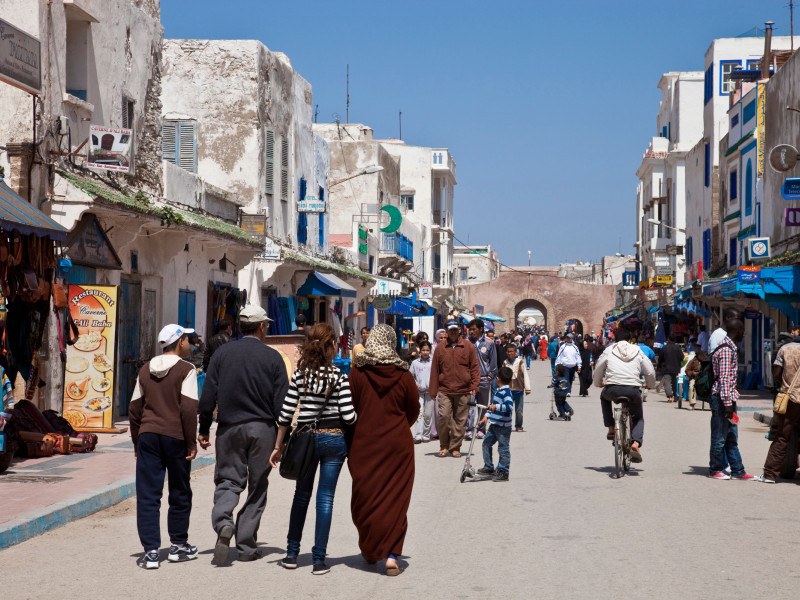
[569,356]
[702,338]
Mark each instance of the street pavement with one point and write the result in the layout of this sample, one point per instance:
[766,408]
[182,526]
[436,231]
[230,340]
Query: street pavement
[562,527]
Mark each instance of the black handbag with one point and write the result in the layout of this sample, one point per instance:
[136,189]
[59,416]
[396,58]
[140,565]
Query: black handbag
[299,453]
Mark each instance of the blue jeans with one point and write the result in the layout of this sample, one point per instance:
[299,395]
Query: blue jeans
[501,435]
[562,405]
[330,451]
[724,441]
[528,360]
[519,405]
[570,375]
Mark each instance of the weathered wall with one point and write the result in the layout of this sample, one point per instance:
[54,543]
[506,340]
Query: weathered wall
[562,299]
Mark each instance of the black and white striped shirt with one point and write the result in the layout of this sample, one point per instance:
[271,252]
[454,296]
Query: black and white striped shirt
[309,389]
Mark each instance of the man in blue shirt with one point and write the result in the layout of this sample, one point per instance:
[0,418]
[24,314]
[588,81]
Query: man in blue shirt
[646,349]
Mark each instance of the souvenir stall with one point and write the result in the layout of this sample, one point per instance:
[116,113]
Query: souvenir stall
[225,301]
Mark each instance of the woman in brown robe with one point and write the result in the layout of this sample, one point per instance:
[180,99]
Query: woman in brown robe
[381,455]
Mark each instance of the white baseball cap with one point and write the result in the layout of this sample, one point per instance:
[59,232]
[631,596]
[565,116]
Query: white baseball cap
[253,313]
[171,334]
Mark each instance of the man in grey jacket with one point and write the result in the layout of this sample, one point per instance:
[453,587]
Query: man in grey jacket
[487,361]
[618,369]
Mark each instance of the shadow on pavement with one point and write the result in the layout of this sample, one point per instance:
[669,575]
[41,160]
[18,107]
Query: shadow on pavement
[612,471]
[701,471]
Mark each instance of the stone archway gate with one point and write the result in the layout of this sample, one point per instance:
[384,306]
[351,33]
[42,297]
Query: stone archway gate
[562,298]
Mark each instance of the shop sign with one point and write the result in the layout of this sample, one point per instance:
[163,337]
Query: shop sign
[758,248]
[382,303]
[783,157]
[272,251]
[792,217]
[664,280]
[426,291]
[761,127]
[254,225]
[649,295]
[311,204]
[477,309]
[661,260]
[90,366]
[663,271]
[791,188]
[749,274]
[363,247]
[110,148]
[20,59]
[751,313]
[630,280]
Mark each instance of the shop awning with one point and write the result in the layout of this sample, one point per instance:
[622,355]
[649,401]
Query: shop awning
[325,284]
[18,215]
[405,307]
[492,317]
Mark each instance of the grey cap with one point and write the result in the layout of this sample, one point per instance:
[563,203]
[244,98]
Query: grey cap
[253,314]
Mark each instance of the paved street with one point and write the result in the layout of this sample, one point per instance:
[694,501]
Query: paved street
[562,527]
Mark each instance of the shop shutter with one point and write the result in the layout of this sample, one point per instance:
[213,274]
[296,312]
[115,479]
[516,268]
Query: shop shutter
[269,162]
[284,169]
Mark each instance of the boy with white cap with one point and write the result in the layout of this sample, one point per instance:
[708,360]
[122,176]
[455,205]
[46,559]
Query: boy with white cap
[163,419]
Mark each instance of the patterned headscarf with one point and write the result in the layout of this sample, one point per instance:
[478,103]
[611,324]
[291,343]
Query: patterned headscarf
[380,349]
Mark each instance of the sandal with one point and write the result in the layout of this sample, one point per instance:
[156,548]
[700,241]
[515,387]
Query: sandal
[443,452]
[393,571]
[456,454]
[635,456]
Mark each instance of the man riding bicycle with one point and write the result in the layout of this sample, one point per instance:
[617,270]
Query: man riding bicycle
[618,369]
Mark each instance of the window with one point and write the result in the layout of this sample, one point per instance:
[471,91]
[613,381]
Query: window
[269,161]
[734,120]
[749,112]
[726,84]
[664,131]
[689,252]
[407,202]
[462,273]
[732,252]
[708,81]
[706,248]
[179,144]
[186,302]
[127,113]
[302,218]
[77,76]
[284,169]
[708,165]
[734,190]
[321,220]
[748,189]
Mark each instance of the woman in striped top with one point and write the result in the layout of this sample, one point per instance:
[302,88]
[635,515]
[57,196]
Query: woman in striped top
[323,395]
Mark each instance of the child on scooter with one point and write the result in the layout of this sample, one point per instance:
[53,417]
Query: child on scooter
[498,415]
[560,392]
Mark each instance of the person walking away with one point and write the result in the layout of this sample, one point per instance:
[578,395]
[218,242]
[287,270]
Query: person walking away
[670,359]
[724,431]
[692,370]
[552,353]
[455,376]
[322,392]
[559,383]
[359,348]
[222,337]
[299,324]
[487,362]
[163,421]
[784,370]
[246,382]
[542,348]
[421,371]
[527,349]
[381,457]
[702,339]
[618,372]
[499,432]
[520,384]
[570,357]
[587,362]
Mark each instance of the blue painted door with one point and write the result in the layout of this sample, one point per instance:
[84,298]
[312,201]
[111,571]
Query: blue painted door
[186,302]
[130,314]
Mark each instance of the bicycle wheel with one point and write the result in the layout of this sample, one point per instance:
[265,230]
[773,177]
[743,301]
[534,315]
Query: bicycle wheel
[626,441]
[618,446]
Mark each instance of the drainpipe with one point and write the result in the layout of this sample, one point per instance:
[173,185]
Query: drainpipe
[765,62]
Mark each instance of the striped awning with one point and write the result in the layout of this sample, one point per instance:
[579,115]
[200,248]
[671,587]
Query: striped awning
[18,215]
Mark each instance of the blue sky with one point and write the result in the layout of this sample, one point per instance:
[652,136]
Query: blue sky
[546,106]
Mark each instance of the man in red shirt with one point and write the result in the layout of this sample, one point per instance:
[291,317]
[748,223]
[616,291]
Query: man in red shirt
[455,377]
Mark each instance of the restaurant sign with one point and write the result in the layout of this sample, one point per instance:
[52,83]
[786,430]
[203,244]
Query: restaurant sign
[749,274]
[20,59]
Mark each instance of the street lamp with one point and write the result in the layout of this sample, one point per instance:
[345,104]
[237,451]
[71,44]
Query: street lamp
[659,223]
[367,171]
[529,258]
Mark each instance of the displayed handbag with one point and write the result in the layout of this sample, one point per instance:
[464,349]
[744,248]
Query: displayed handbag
[782,399]
[299,453]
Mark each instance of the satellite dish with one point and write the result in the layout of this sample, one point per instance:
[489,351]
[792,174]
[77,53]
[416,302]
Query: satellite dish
[395,216]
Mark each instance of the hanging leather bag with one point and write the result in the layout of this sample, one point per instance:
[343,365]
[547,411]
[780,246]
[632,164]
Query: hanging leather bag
[782,399]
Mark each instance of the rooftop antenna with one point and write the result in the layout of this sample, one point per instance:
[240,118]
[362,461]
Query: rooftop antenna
[400,117]
[316,113]
[347,115]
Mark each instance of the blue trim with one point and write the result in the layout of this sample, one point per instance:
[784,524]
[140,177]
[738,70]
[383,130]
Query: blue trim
[748,191]
[748,112]
[749,147]
[725,62]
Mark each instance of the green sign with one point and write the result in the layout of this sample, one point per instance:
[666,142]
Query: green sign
[396,218]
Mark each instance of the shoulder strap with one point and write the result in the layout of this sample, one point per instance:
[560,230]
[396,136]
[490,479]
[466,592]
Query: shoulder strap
[794,380]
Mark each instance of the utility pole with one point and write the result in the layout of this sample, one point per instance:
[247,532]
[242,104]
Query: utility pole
[400,117]
[347,116]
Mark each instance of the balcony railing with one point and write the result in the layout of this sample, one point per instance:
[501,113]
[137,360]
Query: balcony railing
[398,244]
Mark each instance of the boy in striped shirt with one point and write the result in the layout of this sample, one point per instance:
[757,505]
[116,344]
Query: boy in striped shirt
[499,417]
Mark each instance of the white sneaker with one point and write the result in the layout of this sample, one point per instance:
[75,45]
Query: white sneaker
[727,470]
[763,479]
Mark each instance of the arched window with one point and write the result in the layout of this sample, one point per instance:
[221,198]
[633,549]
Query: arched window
[748,190]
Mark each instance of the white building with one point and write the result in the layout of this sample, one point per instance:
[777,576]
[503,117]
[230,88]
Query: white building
[661,193]
[474,265]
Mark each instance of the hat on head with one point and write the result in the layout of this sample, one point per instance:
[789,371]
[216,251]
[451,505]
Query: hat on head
[453,324]
[171,334]
[253,314]
[569,335]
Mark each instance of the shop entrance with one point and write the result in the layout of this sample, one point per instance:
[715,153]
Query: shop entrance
[130,311]
[574,326]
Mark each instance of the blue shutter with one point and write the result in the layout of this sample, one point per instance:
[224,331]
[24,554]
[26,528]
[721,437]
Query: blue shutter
[734,192]
[732,252]
[322,220]
[708,165]
[689,253]
[748,189]
[186,305]
[706,249]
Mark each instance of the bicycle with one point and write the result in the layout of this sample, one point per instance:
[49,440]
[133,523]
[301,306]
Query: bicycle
[623,425]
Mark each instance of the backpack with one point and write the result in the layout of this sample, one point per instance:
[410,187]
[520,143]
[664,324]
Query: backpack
[704,381]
